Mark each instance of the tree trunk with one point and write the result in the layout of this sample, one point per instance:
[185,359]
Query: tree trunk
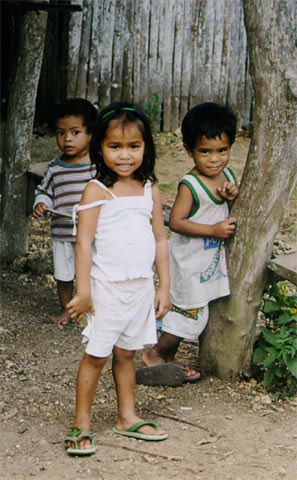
[17,139]
[268,180]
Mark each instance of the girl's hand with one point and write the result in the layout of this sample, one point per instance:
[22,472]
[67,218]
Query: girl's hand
[79,306]
[162,303]
[224,229]
[229,191]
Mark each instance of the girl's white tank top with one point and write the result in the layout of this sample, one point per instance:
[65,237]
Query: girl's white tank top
[124,244]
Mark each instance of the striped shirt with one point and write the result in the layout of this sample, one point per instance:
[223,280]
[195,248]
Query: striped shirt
[61,188]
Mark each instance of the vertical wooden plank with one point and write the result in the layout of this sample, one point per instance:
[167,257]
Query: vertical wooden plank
[168,62]
[233,64]
[136,56]
[144,49]
[141,39]
[226,51]
[74,40]
[94,60]
[217,44]
[106,46]
[159,76]
[117,51]
[188,52]
[242,55]
[83,65]
[177,64]
[200,89]
[128,53]
[155,82]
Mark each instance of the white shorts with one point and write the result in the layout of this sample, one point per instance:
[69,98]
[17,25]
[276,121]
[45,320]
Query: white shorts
[64,260]
[187,324]
[124,316]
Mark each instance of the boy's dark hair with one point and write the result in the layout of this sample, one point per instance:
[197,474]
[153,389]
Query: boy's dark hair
[78,107]
[126,113]
[210,120]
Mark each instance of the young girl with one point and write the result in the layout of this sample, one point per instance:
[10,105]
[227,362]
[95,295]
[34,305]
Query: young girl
[120,235]
[200,223]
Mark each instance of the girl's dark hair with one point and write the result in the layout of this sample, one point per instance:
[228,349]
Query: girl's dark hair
[78,107]
[126,113]
[208,120]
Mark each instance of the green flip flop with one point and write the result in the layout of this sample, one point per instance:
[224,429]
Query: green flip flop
[75,436]
[133,432]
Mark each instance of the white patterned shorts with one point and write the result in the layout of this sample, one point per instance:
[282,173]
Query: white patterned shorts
[187,324]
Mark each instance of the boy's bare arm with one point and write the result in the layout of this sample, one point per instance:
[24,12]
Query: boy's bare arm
[180,223]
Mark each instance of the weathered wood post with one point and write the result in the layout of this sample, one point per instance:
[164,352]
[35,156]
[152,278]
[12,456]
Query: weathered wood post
[17,137]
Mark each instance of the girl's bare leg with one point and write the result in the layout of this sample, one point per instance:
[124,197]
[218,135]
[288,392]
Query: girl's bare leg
[86,385]
[124,376]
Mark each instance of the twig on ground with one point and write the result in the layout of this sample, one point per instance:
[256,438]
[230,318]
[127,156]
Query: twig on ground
[142,452]
[171,417]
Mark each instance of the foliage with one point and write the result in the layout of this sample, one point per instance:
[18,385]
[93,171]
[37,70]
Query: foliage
[153,110]
[275,351]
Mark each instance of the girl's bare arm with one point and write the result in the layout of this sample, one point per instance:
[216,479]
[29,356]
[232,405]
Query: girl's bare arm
[162,298]
[87,223]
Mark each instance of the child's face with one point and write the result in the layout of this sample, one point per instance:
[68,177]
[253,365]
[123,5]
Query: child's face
[72,137]
[211,155]
[123,148]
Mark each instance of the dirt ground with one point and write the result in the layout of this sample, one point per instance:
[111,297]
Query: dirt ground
[216,430]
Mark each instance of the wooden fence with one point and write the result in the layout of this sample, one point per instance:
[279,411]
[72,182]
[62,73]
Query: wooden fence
[168,55]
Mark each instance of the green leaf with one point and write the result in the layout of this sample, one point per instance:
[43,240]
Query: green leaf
[259,356]
[292,301]
[292,366]
[272,350]
[285,358]
[270,306]
[268,378]
[284,318]
[293,352]
[270,336]
[278,372]
[270,359]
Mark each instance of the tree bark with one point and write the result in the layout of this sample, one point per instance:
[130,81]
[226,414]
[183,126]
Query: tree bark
[268,180]
[18,133]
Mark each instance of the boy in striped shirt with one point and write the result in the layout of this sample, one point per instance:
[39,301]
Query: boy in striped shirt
[61,188]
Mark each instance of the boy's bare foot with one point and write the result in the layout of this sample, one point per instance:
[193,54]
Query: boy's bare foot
[62,319]
[191,374]
[151,358]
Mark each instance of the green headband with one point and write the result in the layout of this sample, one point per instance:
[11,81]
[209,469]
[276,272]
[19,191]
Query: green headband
[129,109]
